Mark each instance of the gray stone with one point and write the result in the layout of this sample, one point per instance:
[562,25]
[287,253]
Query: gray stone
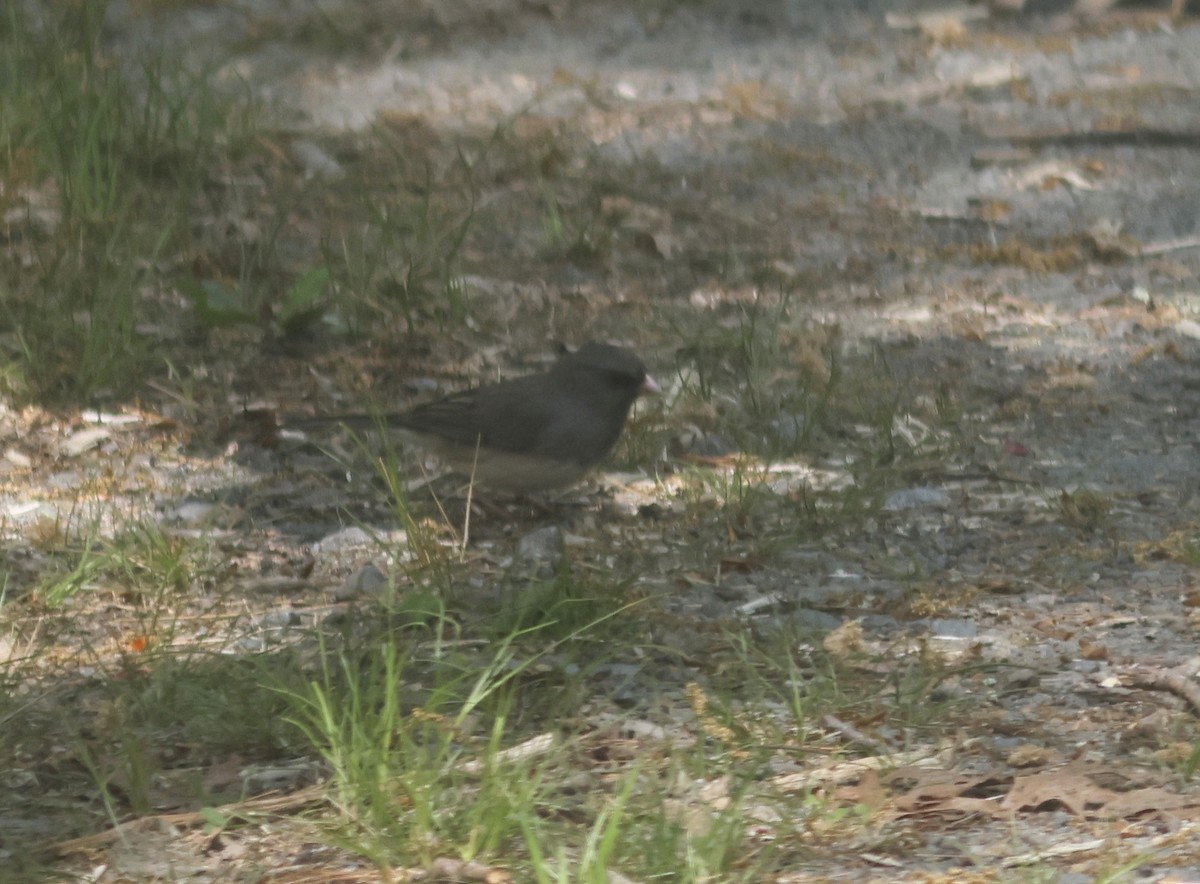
[347,538]
[544,546]
[953,629]
[366,581]
[917,498]
[84,441]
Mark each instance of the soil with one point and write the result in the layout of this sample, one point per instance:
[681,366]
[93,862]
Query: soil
[987,226]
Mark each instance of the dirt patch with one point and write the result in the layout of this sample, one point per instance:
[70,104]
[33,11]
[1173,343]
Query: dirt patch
[925,303]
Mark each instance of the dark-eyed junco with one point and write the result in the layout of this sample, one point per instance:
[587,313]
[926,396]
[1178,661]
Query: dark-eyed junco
[531,433]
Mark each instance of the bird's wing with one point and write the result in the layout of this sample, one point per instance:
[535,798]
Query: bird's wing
[512,416]
[556,417]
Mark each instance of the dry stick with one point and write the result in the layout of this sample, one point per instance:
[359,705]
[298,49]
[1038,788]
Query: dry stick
[1175,682]
[1170,245]
[531,748]
[1145,136]
[441,509]
[845,771]
[854,735]
[271,803]
[462,550]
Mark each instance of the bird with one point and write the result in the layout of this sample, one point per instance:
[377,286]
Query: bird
[532,433]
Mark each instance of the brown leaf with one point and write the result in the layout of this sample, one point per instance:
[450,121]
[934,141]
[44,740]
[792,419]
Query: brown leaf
[224,773]
[846,640]
[1030,755]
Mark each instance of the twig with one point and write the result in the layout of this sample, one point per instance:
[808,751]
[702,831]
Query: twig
[852,770]
[854,735]
[466,536]
[1170,245]
[1166,680]
[265,804]
[1141,137]
[538,745]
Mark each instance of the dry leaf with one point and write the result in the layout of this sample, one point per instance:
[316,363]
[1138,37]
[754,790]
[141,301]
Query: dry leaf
[845,641]
[1029,755]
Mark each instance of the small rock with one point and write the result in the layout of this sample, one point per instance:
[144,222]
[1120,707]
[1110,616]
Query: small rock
[251,644]
[336,619]
[278,619]
[84,441]
[545,546]
[347,538]
[878,625]
[708,445]
[788,429]
[67,480]
[760,605]
[809,620]
[637,727]
[916,498]
[282,777]
[1080,878]
[17,458]
[274,584]
[958,630]
[1189,328]
[1022,680]
[617,671]
[193,512]
[366,581]
[422,385]
[316,162]
[29,512]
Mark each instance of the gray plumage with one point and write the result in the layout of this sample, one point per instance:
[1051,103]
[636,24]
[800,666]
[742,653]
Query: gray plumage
[535,432]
